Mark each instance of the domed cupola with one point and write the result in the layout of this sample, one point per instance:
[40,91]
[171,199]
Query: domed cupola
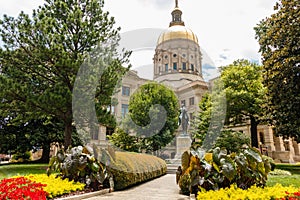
[177,55]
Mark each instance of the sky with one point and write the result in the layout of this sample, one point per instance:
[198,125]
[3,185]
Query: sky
[224,28]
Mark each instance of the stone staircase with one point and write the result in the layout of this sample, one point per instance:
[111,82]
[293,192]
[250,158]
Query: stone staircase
[173,165]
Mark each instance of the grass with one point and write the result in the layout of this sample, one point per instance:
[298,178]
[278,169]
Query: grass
[284,180]
[7,171]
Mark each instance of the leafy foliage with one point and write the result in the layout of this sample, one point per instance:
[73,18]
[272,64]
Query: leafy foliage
[42,54]
[142,105]
[79,164]
[245,94]
[218,169]
[124,141]
[232,141]
[200,124]
[32,135]
[278,37]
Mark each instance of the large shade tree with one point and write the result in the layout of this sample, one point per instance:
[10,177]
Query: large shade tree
[279,39]
[154,111]
[245,94]
[42,54]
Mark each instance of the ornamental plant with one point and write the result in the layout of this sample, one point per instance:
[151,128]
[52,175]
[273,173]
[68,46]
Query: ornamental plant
[79,164]
[218,169]
[21,188]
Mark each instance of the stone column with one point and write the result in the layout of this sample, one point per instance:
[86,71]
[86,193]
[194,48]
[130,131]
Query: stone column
[291,147]
[269,138]
[279,146]
[296,148]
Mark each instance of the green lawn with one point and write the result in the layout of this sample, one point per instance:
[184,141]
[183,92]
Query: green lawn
[284,180]
[21,169]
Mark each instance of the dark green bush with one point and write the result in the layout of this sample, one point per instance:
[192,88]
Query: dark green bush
[294,168]
[21,157]
[233,141]
[130,168]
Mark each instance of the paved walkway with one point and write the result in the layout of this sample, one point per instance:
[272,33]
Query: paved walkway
[163,188]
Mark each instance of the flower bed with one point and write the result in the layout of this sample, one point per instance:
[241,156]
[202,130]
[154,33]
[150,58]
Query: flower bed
[38,186]
[21,188]
[253,193]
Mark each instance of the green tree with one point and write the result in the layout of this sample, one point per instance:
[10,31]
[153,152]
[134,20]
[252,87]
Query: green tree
[32,135]
[42,54]
[209,121]
[245,94]
[200,124]
[278,36]
[124,141]
[233,141]
[154,110]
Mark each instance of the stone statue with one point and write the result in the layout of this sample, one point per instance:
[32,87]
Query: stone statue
[184,119]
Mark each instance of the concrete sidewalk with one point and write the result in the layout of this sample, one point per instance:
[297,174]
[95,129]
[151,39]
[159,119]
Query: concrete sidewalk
[163,188]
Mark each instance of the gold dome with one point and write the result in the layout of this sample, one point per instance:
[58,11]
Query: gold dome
[177,32]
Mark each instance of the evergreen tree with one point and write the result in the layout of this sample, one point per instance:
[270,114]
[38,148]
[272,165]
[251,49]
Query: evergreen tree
[278,36]
[42,54]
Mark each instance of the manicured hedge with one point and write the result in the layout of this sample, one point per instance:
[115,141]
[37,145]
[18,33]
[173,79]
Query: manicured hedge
[130,168]
[294,168]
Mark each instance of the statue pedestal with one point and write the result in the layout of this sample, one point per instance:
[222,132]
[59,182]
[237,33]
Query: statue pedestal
[183,143]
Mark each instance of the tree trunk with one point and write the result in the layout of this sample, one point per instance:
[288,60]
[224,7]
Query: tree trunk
[253,129]
[68,134]
[46,154]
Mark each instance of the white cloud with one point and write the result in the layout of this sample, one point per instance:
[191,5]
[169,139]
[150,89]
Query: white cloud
[218,24]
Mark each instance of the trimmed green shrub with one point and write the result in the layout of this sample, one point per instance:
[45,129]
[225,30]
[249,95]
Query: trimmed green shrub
[130,168]
[294,168]
[21,157]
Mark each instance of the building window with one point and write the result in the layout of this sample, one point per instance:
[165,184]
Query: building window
[174,55]
[166,56]
[124,110]
[192,67]
[175,66]
[182,102]
[166,67]
[192,101]
[125,91]
[183,66]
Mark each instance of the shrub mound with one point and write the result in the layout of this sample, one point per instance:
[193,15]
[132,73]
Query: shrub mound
[130,168]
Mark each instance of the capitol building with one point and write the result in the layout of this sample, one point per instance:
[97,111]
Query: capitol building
[177,63]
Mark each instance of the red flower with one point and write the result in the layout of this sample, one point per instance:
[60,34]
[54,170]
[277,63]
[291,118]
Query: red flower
[22,188]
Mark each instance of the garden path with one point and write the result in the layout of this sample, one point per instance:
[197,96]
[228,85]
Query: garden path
[162,188]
